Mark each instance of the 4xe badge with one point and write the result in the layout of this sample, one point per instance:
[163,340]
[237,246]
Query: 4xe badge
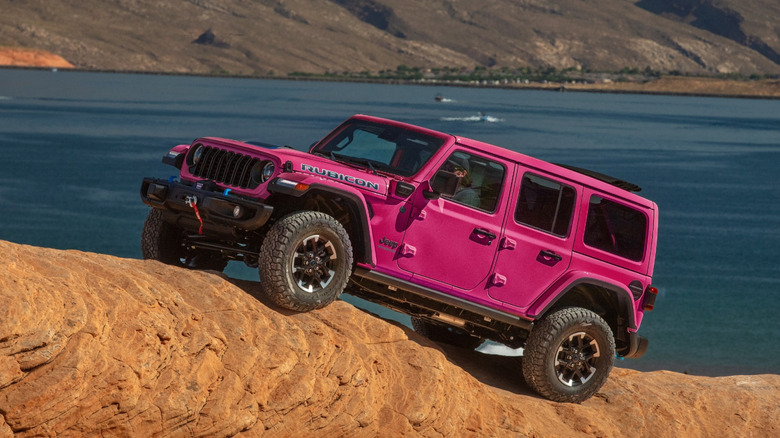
[388,244]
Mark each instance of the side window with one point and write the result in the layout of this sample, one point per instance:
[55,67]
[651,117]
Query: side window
[545,205]
[615,228]
[480,180]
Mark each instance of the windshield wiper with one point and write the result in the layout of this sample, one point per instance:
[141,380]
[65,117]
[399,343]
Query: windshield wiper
[362,161]
[329,154]
[349,160]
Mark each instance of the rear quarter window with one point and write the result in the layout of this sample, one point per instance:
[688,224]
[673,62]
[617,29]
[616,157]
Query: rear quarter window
[615,228]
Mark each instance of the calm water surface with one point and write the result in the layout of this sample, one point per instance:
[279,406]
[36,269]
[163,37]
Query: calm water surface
[75,146]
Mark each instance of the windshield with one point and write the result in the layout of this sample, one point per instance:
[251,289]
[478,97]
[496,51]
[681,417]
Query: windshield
[381,148]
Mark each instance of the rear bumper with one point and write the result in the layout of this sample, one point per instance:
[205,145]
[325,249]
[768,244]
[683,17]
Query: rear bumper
[638,346]
[217,209]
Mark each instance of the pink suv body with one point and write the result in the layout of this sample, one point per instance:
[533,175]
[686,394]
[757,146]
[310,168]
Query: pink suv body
[472,240]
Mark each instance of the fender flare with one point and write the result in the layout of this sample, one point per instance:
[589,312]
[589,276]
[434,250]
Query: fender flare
[175,157]
[355,202]
[563,286]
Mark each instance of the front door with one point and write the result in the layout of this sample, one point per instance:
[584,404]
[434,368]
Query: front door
[453,240]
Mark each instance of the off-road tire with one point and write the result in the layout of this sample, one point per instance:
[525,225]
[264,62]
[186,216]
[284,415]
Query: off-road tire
[572,344]
[445,334]
[305,250]
[162,241]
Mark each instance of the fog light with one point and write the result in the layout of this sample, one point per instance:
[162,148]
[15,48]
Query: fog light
[237,211]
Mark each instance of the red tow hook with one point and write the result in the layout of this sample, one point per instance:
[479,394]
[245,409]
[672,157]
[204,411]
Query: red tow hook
[192,201]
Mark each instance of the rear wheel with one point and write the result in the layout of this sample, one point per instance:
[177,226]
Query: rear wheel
[568,355]
[164,242]
[445,334]
[305,261]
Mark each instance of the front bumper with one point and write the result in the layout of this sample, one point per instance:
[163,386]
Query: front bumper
[217,210]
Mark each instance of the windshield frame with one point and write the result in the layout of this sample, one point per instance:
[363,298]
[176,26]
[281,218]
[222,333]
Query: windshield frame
[397,150]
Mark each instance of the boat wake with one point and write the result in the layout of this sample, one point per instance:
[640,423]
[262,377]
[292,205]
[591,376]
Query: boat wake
[477,118]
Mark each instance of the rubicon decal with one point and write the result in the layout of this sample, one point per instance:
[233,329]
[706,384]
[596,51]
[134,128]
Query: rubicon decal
[340,176]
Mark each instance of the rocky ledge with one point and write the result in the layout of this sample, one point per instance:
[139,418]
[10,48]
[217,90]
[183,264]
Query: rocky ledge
[93,345]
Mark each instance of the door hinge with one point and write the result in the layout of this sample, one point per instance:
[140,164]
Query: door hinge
[507,243]
[497,279]
[407,250]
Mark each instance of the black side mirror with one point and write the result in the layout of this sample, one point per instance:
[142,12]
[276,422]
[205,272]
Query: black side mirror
[443,183]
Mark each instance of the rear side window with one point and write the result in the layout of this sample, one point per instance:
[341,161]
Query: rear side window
[615,228]
[545,205]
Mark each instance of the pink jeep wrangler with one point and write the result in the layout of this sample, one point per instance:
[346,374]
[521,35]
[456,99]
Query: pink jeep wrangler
[471,240]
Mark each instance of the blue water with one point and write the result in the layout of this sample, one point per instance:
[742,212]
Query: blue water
[74,147]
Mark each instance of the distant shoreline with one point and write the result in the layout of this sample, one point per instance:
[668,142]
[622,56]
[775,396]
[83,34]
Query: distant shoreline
[686,86]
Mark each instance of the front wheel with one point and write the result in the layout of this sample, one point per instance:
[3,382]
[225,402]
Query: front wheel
[305,261]
[568,355]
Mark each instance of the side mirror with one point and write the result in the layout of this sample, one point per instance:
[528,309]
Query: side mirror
[443,183]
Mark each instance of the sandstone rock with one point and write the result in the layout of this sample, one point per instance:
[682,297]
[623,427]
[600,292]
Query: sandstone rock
[23,57]
[97,345]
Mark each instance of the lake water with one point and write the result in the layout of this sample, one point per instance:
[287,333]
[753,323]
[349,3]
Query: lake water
[74,147]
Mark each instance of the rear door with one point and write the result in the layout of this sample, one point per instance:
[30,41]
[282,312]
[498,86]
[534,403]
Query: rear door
[536,246]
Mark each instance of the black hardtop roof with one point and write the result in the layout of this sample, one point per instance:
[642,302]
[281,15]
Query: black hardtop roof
[625,185]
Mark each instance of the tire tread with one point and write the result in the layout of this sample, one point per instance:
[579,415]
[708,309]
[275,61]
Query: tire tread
[542,339]
[272,260]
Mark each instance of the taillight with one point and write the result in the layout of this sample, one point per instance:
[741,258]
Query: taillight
[649,302]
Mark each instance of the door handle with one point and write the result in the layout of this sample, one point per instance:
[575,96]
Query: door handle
[547,254]
[484,232]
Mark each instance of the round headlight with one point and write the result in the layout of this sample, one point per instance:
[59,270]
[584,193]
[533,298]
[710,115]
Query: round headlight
[268,171]
[195,154]
[262,172]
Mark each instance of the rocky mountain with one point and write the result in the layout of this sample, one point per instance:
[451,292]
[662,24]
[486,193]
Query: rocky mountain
[94,345]
[278,37]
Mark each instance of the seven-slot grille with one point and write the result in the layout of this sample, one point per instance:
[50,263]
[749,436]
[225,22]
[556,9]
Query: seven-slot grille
[226,167]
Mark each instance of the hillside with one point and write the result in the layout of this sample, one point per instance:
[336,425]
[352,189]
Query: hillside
[278,37]
[94,345]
